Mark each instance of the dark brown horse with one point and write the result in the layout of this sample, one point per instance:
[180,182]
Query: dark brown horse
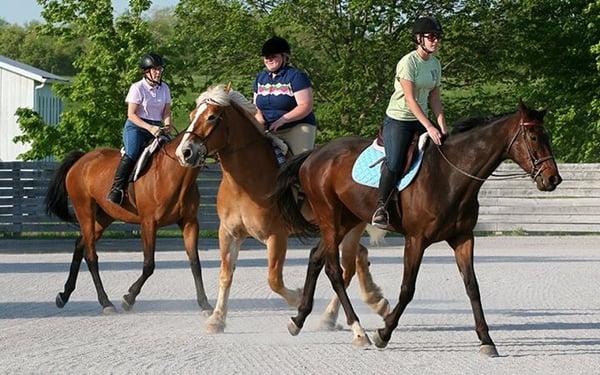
[223,124]
[166,194]
[440,205]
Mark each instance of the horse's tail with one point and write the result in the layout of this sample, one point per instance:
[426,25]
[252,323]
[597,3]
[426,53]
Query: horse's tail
[57,197]
[287,181]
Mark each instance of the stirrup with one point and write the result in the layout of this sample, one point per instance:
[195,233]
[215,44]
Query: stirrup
[381,218]
[116,196]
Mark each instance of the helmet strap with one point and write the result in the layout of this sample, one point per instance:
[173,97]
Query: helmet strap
[152,81]
[422,44]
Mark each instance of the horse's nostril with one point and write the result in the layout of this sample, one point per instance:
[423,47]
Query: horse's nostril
[555,180]
[187,153]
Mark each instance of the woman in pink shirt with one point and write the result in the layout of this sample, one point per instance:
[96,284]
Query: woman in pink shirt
[148,113]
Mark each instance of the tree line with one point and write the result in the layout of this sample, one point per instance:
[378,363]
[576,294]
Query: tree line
[494,52]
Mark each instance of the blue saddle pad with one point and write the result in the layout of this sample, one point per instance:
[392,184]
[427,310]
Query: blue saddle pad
[364,174]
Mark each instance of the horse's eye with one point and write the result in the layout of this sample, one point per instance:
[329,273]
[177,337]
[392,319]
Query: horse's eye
[212,118]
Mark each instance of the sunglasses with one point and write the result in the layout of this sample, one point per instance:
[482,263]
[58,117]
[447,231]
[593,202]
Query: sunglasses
[432,37]
[271,57]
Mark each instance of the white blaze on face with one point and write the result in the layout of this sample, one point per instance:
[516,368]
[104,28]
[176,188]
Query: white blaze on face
[184,141]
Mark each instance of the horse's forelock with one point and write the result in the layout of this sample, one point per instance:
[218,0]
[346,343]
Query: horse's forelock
[219,95]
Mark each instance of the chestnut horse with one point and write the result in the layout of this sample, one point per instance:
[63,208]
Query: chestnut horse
[165,194]
[440,205]
[223,124]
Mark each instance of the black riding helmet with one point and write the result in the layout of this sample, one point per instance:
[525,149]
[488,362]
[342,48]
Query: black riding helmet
[426,25]
[151,60]
[274,46]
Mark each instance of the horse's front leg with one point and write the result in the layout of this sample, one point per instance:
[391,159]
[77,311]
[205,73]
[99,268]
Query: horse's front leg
[276,250]
[148,231]
[189,228]
[463,253]
[229,247]
[413,255]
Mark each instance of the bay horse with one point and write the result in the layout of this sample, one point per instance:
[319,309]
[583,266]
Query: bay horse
[441,205]
[166,194]
[223,125]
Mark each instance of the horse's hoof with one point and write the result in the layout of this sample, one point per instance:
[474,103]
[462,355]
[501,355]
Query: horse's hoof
[60,302]
[214,328]
[127,305]
[379,342]
[329,325]
[109,310]
[383,308]
[206,309]
[361,341]
[488,351]
[293,328]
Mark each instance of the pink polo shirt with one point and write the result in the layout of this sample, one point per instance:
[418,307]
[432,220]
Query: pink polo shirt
[151,100]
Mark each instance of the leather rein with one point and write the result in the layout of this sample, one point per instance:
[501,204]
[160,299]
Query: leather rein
[535,163]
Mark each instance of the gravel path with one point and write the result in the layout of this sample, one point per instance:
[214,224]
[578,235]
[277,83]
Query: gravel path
[540,296]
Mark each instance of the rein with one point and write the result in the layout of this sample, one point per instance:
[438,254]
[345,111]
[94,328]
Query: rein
[535,171]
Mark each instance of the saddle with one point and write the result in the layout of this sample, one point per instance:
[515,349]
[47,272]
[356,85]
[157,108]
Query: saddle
[364,170]
[143,162]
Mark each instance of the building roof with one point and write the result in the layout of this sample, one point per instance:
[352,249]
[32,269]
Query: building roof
[29,71]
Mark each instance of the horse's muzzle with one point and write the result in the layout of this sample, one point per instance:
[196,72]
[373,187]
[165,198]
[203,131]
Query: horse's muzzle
[548,183]
[192,156]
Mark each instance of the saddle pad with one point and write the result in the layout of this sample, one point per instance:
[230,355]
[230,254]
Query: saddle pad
[364,173]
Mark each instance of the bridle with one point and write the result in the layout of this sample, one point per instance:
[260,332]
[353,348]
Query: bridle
[536,168]
[204,140]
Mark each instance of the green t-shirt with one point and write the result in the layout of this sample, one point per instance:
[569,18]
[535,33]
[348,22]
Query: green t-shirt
[425,74]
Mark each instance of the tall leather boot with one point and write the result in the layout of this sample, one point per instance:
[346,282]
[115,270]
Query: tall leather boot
[387,184]
[117,191]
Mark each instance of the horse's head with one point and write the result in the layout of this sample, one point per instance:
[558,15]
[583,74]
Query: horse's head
[530,148]
[208,131]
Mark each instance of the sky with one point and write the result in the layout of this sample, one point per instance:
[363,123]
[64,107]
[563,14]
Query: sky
[23,11]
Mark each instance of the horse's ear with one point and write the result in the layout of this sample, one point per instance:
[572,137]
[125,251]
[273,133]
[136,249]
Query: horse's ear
[192,114]
[228,87]
[522,107]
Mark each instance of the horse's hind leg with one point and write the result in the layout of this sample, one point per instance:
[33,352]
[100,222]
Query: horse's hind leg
[63,297]
[91,231]
[149,242]
[316,261]
[189,228]
[276,250]
[413,255]
[369,291]
[348,248]
[355,260]
[333,270]
[463,253]
[230,247]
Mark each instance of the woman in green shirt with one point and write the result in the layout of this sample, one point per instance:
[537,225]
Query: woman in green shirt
[416,88]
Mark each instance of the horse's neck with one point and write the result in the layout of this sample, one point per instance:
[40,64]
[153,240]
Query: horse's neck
[477,152]
[249,154]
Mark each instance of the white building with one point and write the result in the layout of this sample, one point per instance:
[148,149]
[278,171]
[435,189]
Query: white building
[22,85]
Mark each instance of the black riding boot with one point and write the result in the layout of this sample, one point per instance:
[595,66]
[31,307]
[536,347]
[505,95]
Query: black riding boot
[387,184]
[117,191]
